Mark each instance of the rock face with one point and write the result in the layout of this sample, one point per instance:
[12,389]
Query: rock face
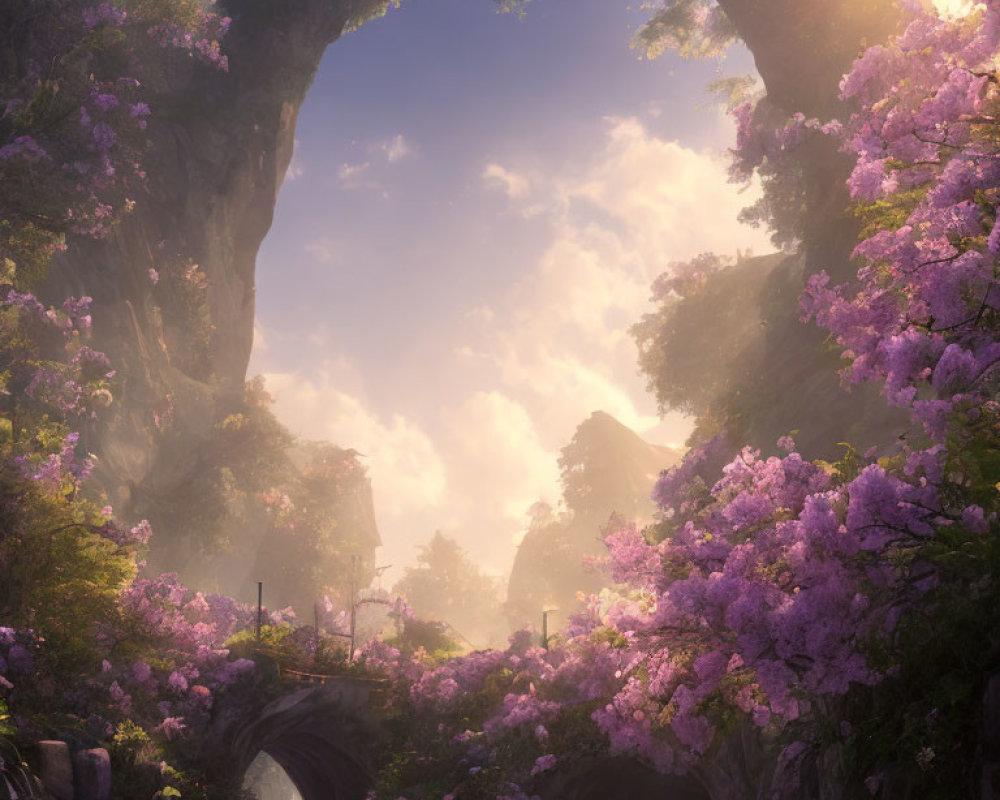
[219,146]
[779,373]
[801,58]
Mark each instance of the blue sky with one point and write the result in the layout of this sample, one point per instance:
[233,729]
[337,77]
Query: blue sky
[474,213]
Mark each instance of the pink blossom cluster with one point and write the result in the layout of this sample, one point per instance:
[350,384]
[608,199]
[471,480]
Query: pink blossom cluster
[760,138]
[78,133]
[924,319]
[17,654]
[202,42]
[57,471]
[763,594]
[72,387]
[187,631]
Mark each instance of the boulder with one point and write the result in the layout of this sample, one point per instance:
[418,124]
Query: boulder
[92,774]
[56,769]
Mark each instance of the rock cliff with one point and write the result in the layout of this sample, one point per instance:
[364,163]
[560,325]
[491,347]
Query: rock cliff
[173,285]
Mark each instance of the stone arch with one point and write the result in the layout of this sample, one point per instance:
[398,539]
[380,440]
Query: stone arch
[326,738]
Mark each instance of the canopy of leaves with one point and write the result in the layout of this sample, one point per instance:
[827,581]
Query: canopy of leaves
[448,586]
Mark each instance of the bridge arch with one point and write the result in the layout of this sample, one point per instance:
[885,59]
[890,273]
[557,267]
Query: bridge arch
[326,738]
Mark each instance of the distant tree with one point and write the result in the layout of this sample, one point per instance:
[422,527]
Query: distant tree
[446,585]
[607,468]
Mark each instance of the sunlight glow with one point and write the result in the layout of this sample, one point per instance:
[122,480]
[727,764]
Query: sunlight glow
[955,8]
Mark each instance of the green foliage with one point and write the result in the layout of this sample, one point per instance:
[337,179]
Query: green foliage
[272,640]
[138,768]
[605,470]
[131,744]
[693,367]
[374,9]
[298,649]
[259,503]
[57,573]
[6,725]
[694,28]
[925,720]
[889,214]
[181,294]
[427,635]
[733,90]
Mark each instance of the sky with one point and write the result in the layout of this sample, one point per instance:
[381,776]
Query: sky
[475,211]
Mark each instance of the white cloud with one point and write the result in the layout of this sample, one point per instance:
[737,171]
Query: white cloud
[352,175]
[322,250]
[475,480]
[359,175]
[395,149]
[673,202]
[499,464]
[515,186]
[560,335]
[522,367]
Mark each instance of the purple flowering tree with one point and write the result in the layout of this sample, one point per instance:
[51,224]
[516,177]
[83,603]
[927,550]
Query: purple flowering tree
[72,113]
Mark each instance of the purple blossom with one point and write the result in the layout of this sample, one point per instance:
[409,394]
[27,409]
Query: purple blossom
[104,137]
[177,682]
[25,148]
[104,13]
[543,764]
[106,102]
[171,727]
[20,659]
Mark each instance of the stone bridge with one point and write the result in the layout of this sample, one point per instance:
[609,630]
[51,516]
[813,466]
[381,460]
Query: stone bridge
[329,740]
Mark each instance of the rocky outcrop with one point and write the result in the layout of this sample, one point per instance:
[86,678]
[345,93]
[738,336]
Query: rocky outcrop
[781,372]
[173,285]
[801,59]
[607,470]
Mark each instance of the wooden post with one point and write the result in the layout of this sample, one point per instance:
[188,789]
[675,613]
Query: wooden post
[354,608]
[260,608]
[545,626]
